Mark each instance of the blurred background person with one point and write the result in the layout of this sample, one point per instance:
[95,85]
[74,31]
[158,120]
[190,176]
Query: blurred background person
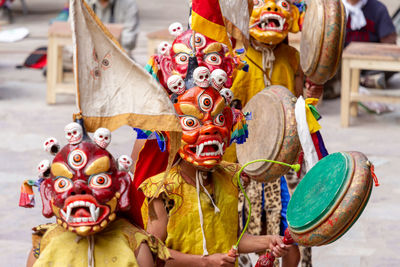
[367,21]
[123,12]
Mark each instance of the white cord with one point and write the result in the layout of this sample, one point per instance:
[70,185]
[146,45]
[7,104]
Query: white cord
[90,251]
[205,252]
[204,176]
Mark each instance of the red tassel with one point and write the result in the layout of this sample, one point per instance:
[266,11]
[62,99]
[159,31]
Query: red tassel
[27,197]
[374,175]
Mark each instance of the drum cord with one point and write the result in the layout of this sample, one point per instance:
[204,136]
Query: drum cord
[295,167]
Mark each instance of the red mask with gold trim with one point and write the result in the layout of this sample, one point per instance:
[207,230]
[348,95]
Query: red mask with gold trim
[206,123]
[209,53]
[85,189]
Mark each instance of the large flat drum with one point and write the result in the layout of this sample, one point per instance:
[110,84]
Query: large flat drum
[330,198]
[322,39]
[272,133]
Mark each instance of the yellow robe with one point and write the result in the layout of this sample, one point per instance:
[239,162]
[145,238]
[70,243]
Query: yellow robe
[114,246]
[248,84]
[184,231]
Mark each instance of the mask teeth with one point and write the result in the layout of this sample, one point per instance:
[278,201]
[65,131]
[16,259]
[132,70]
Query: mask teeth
[199,149]
[68,213]
[221,148]
[93,212]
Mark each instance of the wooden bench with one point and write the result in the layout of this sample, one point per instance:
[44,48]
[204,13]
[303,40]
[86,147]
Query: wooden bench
[365,56]
[58,81]
[155,38]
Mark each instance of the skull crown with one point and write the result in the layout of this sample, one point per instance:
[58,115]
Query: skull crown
[102,137]
[73,133]
[227,94]
[124,163]
[201,76]
[176,84]
[163,48]
[175,29]
[218,78]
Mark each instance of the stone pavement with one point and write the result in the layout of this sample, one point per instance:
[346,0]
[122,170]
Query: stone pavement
[26,120]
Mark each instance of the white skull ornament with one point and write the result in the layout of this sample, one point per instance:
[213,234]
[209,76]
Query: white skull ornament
[51,145]
[102,137]
[163,48]
[43,169]
[201,76]
[73,133]
[176,84]
[124,163]
[227,94]
[218,78]
[175,29]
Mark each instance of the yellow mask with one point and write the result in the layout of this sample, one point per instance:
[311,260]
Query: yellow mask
[272,20]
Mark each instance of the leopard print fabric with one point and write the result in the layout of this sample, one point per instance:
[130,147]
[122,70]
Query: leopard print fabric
[269,221]
[293,180]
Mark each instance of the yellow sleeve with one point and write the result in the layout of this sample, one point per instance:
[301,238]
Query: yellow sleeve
[137,236]
[161,183]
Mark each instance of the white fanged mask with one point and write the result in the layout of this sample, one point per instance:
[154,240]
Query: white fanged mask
[176,84]
[218,78]
[163,48]
[175,29]
[102,137]
[227,94]
[201,76]
[43,169]
[124,163]
[51,145]
[73,133]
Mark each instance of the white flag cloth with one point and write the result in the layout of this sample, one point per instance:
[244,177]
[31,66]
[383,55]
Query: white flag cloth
[236,16]
[112,89]
[310,154]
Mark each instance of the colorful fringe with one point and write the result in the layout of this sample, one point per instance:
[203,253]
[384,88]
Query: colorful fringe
[27,196]
[240,130]
[149,135]
[152,67]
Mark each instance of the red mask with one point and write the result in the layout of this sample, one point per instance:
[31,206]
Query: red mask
[85,189]
[209,53]
[206,123]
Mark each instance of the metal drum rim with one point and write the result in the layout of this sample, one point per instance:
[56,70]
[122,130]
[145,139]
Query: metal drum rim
[361,187]
[334,203]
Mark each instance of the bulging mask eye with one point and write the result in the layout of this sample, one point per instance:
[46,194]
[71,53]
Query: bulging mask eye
[199,40]
[101,180]
[284,4]
[205,102]
[181,58]
[77,159]
[213,59]
[189,123]
[258,3]
[62,184]
[219,120]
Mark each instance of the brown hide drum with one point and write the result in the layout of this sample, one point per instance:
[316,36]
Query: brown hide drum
[322,39]
[272,133]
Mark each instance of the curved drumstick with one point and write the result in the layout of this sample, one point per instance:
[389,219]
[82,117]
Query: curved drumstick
[233,251]
[268,259]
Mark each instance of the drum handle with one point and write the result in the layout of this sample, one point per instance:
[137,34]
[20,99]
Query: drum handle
[268,259]
[295,167]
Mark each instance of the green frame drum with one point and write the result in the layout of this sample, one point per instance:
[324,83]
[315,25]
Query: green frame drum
[330,198]
[272,133]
